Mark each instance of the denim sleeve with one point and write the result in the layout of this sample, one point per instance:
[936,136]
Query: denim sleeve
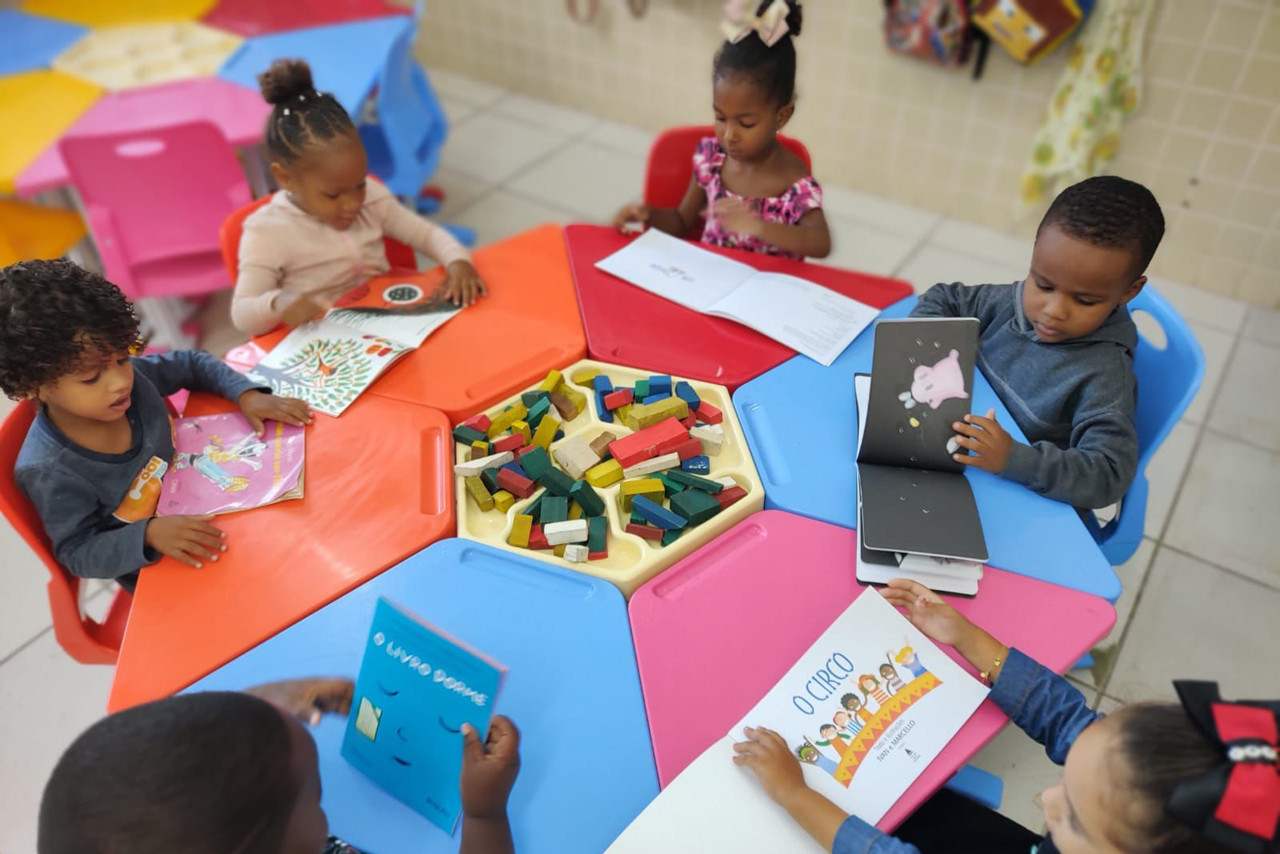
[195,370]
[855,836]
[1043,704]
[959,300]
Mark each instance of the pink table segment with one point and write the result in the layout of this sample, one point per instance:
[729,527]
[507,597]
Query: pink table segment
[716,631]
[240,114]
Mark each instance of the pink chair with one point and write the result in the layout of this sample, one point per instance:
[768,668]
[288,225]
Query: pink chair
[154,201]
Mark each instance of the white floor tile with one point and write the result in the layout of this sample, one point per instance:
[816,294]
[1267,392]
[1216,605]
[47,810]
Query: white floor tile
[893,216]
[460,191]
[1026,772]
[48,701]
[24,605]
[1164,475]
[457,111]
[1133,574]
[1228,507]
[1195,621]
[1263,324]
[1202,306]
[587,179]
[545,114]
[934,264]
[1247,407]
[983,242]
[624,138]
[866,248]
[459,87]
[1109,706]
[1216,345]
[496,148]
[501,214]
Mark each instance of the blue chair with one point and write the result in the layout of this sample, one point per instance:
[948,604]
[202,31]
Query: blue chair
[1169,376]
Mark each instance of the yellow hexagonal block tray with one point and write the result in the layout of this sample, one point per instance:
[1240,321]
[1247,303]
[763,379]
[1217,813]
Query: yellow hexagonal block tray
[147,54]
[632,560]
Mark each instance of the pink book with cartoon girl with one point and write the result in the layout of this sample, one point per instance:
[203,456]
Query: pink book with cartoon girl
[220,466]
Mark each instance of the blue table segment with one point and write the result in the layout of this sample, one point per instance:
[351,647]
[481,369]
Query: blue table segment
[345,59]
[31,42]
[572,688]
[799,419]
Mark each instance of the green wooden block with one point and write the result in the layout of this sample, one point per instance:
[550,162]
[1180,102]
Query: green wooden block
[669,537]
[642,390]
[637,519]
[537,411]
[586,496]
[556,509]
[556,482]
[466,435]
[705,484]
[490,479]
[597,532]
[536,463]
[669,485]
[529,398]
[695,506]
[535,509]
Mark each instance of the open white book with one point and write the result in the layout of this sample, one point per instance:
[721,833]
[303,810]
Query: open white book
[866,710]
[808,318]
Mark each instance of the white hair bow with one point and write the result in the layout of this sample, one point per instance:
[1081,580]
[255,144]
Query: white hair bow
[739,22]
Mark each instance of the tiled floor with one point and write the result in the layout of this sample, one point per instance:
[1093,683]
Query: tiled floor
[1201,597]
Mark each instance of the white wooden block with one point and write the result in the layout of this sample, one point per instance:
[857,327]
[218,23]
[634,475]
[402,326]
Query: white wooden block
[728,482]
[711,436]
[576,554]
[662,463]
[472,468]
[559,533]
[575,456]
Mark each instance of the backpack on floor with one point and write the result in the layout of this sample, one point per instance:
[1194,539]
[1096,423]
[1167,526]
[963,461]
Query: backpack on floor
[1029,29]
[936,31]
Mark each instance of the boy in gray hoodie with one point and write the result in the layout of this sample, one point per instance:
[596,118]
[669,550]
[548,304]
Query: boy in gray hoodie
[1058,346]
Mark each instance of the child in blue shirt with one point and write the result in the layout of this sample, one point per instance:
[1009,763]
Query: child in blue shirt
[95,456]
[1058,346]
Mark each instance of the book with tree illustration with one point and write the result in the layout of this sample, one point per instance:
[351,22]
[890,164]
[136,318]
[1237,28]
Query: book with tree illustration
[329,363]
[865,710]
[417,687]
[220,465]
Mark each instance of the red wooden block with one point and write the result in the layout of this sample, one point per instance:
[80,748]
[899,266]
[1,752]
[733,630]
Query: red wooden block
[643,444]
[690,420]
[729,495]
[537,539]
[708,414]
[479,422]
[597,555]
[520,487]
[688,448]
[514,442]
[618,398]
[647,531]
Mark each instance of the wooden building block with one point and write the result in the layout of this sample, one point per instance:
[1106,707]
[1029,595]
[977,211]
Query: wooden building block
[523,428]
[479,450]
[711,436]
[730,495]
[553,382]
[556,482]
[623,412]
[660,384]
[529,398]
[538,538]
[545,433]
[575,456]
[575,509]
[555,508]
[696,481]
[657,464]
[565,406]
[511,442]
[537,412]
[536,462]
[516,484]
[502,422]
[657,515]
[604,474]
[642,389]
[577,398]
[685,392]
[472,468]
[597,537]
[726,480]
[686,449]
[575,553]
[649,486]
[520,530]
[669,537]
[478,422]
[708,414]
[490,479]
[587,498]
[648,414]
[614,399]
[467,435]
[573,531]
[696,465]
[670,485]
[644,444]
[689,421]
[600,444]
[477,493]
[695,506]
[503,500]
[647,531]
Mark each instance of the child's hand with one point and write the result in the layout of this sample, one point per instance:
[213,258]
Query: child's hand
[927,612]
[302,309]
[631,215]
[464,285]
[775,766]
[489,770]
[737,216]
[308,699]
[986,438]
[190,539]
[258,407]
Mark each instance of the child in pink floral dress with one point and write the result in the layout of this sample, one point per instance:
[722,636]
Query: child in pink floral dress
[755,193]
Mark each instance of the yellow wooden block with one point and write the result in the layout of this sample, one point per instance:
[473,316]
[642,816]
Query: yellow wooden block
[604,474]
[503,500]
[644,415]
[578,398]
[650,487]
[520,531]
[478,493]
[479,449]
[575,510]
[522,427]
[559,550]
[552,382]
[501,422]
[545,433]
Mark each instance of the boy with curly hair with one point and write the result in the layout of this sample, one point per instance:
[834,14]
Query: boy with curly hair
[102,439]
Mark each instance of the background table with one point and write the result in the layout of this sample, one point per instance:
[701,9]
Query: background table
[799,419]
[572,689]
[239,113]
[110,13]
[631,326]
[35,107]
[259,17]
[378,488]
[31,41]
[716,631]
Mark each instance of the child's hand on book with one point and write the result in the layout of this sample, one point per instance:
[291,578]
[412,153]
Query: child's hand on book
[489,770]
[986,438]
[302,309]
[464,285]
[308,699]
[738,216]
[927,612]
[190,539]
[766,754]
[260,406]
[630,217]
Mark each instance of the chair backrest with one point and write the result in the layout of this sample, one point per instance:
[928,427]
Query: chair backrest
[155,195]
[671,163]
[84,639]
[1169,371]
[398,254]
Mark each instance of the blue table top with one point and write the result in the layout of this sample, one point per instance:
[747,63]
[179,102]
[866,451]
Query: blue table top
[800,423]
[572,688]
[32,42]
[345,58]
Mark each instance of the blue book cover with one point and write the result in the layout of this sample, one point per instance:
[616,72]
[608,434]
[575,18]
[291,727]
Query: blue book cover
[416,688]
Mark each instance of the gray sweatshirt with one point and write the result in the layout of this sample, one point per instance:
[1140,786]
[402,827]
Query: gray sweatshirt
[1074,400]
[95,506]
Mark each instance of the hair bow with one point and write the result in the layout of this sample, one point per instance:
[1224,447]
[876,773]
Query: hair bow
[1237,804]
[739,22]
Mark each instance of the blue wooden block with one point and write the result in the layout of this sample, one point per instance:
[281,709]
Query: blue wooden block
[517,468]
[654,398]
[601,383]
[697,465]
[605,414]
[655,514]
[685,392]
[558,436]
[660,385]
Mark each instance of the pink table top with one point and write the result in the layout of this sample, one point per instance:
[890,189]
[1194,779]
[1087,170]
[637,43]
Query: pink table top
[754,599]
[240,114]
[258,17]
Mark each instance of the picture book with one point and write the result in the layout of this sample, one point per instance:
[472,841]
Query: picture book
[808,318]
[865,710]
[220,465]
[913,496]
[416,687]
[330,362]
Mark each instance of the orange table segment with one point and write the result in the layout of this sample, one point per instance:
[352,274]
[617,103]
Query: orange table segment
[378,488]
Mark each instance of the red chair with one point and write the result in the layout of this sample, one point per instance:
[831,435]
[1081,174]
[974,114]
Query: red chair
[83,638]
[671,164]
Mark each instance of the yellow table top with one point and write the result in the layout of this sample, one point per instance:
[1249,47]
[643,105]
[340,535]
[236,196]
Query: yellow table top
[33,231]
[35,108]
[105,13]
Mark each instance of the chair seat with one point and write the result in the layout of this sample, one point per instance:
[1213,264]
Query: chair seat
[186,275]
